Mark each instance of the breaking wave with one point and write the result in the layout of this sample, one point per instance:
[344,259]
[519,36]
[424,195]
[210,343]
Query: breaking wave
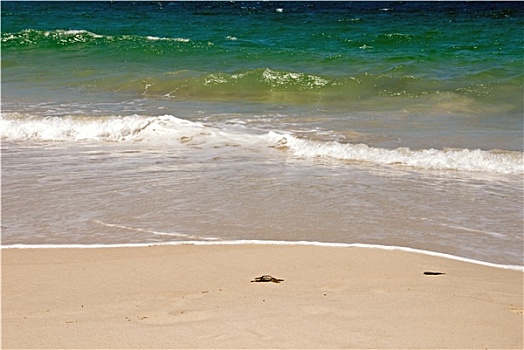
[170,129]
[506,162]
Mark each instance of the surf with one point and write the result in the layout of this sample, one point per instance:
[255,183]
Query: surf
[169,129]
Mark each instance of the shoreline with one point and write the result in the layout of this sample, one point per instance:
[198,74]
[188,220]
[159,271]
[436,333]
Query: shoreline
[269,243]
[201,296]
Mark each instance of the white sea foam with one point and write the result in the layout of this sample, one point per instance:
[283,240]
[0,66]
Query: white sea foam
[175,234]
[73,32]
[169,128]
[81,34]
[278,78]
[494,234]
[69,129]
[448,159]
[156,38]
[263,242]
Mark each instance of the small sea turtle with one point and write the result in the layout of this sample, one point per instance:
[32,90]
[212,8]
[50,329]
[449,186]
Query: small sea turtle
[267,278]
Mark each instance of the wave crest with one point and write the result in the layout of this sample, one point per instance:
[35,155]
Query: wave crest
[61,37]
[505,162]
[270,78]
[170,129]
[16,127]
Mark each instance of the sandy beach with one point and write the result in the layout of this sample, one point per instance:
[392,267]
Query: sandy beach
[191,296]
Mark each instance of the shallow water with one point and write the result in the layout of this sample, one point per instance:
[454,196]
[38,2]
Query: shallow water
[134,193]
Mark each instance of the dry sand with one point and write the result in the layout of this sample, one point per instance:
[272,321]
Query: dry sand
[201,297]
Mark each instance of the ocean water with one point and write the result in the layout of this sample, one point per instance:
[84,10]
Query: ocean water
[379,123]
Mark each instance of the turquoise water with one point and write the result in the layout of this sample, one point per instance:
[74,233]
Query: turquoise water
[396,98]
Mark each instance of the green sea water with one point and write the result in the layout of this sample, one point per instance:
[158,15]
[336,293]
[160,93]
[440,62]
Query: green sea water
[346,59]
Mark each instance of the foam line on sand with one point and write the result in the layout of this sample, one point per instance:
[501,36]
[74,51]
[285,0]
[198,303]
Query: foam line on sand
[263,242]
